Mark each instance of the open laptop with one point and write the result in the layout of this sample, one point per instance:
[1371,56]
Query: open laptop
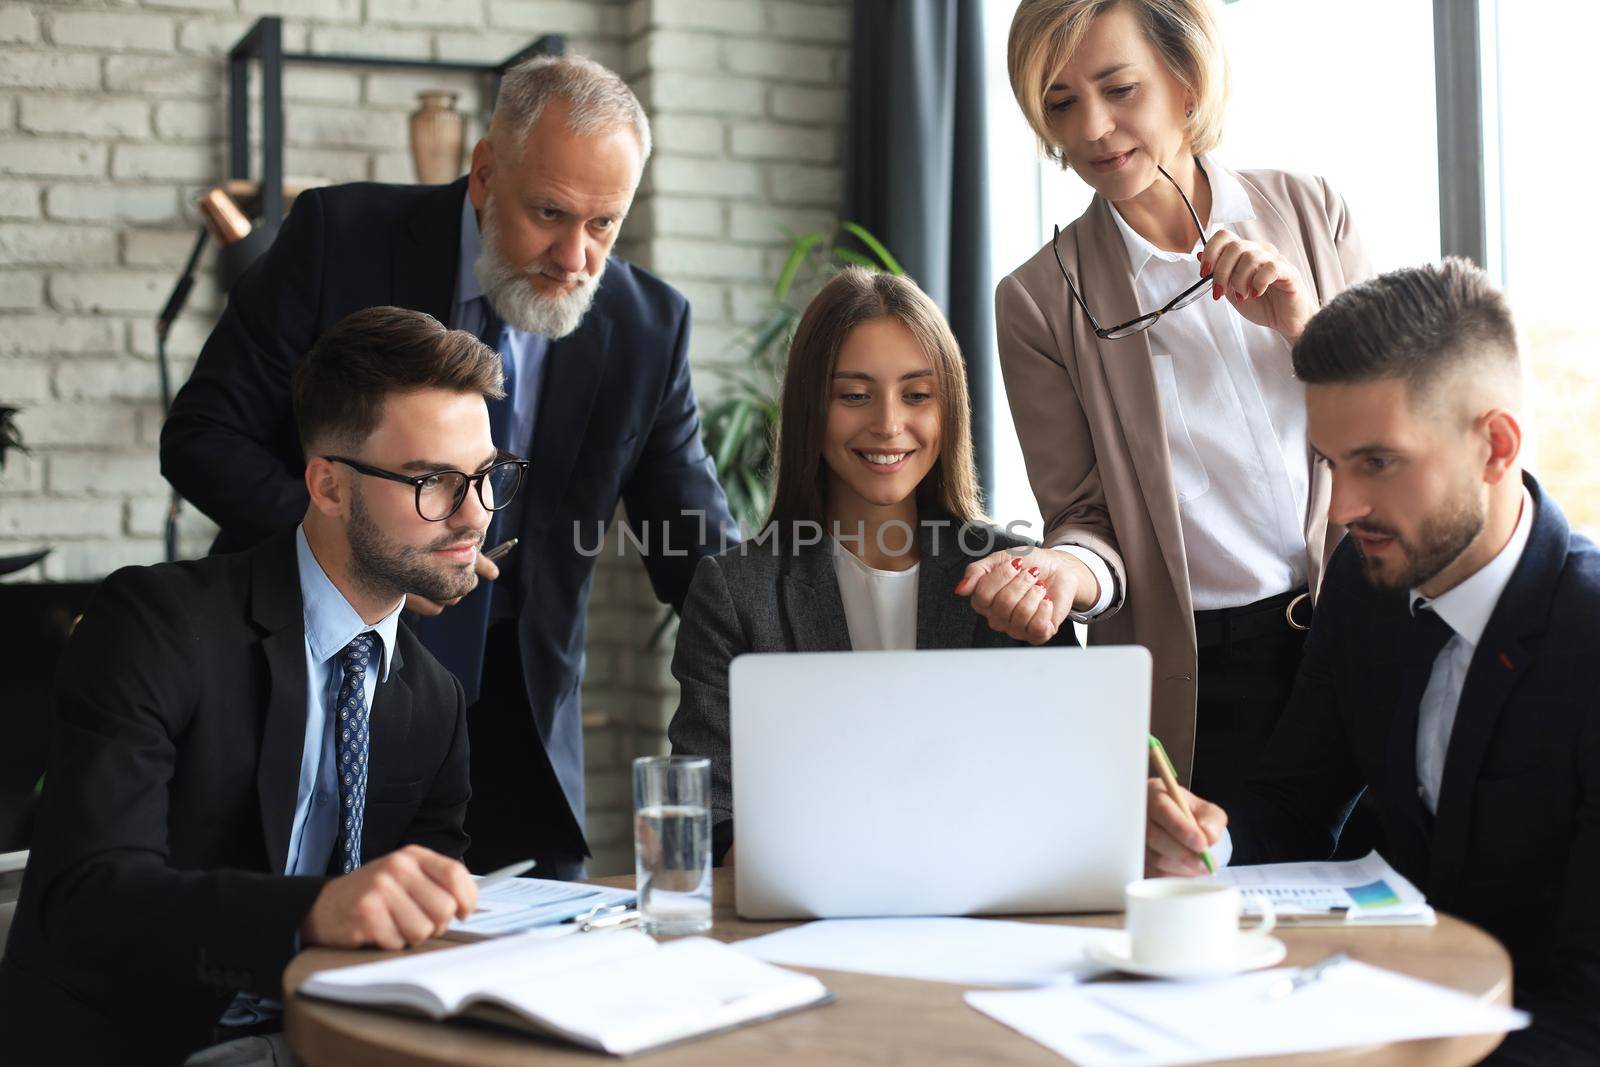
[966,782]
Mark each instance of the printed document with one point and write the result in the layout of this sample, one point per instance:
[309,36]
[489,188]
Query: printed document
[1153,1024]
[1366,890]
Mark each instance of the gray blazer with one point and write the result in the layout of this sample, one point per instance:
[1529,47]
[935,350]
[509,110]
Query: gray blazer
[766,598]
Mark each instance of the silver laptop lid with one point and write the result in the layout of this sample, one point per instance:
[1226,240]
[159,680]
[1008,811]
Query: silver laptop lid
[984,781]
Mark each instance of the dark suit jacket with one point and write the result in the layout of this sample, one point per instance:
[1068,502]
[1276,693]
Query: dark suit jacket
[1515,844]
[155,890]
[617,420]
[769,597]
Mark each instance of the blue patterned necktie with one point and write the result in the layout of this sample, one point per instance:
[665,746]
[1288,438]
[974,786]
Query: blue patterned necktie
[354,741]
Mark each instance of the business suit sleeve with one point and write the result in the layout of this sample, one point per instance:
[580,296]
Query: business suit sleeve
[1054,433]
[1353,258]
[708,639]
[673,489]
[1295,804]
[108,895]
[438,823]
[1566,1004]
[223,444]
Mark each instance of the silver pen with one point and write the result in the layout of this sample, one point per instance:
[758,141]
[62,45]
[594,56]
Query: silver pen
[616,921]
[1290,983]
[507,872]
[495,554]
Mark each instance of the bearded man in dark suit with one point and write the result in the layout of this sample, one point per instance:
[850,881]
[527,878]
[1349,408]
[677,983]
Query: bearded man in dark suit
[598,400]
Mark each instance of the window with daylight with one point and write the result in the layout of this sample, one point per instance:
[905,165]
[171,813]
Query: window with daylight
[1540,165]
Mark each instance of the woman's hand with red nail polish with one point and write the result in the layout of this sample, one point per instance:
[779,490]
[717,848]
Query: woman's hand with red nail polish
[1259,282]
[1029,602]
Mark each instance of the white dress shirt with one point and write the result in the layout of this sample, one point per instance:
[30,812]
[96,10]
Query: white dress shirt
[1102,576]
[1465,609]
[1235,422]
[880,607]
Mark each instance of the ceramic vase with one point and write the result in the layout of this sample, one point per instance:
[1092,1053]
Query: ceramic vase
[437,133]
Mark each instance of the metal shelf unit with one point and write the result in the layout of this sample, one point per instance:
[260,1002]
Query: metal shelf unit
[264,44]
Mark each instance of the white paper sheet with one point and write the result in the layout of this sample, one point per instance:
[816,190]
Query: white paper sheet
[962,951]
[1154,1024]
[1362,890]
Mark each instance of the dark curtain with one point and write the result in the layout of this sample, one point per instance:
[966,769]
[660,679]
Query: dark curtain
[915,174]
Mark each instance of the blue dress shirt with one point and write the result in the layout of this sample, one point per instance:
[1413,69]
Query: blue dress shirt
[527,351]
[330,623]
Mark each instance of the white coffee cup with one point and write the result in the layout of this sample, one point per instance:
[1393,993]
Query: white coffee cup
[1187,924]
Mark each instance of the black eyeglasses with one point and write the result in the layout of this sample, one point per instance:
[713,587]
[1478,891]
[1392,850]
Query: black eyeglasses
[441,493]
[1149,319]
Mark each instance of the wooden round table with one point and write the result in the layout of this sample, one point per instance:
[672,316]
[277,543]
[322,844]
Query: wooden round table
[879,1020]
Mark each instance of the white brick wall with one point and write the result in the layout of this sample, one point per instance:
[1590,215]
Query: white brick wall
[112,122]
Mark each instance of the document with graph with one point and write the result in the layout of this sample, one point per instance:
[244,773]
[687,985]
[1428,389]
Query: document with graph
[1366,891]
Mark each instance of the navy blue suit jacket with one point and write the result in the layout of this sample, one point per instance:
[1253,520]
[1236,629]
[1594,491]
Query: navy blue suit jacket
[617,420]
[1515,844]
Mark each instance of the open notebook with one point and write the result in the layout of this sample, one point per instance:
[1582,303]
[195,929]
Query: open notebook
[616,991]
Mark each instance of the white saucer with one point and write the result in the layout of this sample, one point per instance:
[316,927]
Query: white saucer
[1251,953]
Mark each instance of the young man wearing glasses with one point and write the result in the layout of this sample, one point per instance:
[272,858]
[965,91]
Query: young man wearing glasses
[253,755]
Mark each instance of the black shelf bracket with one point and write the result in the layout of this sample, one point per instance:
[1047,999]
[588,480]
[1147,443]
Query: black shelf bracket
[264,44]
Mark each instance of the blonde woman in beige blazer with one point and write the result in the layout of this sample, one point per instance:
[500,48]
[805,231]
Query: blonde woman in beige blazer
[1169,459]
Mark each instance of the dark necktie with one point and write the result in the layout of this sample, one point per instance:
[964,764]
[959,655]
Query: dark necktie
[354,743]
[1422,641]
[456,637]
[1425,639]
[495,336]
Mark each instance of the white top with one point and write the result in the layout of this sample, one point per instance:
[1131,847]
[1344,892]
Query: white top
[1235,422]
[1466,610]
[880,607]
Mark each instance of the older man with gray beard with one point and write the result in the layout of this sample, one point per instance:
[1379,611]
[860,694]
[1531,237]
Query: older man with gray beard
[598,398]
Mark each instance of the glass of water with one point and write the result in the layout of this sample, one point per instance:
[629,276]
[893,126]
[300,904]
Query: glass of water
[672,843]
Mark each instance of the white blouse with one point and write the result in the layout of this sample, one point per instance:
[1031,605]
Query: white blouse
[1235,422]
[880,607]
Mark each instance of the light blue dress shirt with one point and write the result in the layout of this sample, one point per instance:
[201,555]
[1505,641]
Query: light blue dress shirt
[330,624]
[527,351]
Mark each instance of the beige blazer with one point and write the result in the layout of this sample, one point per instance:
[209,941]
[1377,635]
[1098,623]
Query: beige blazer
[1089,420]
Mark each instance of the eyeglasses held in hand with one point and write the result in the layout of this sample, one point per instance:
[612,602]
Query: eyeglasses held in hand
[1148,319]
[441,493]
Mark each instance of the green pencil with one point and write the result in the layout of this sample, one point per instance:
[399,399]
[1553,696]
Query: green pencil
[1169,778]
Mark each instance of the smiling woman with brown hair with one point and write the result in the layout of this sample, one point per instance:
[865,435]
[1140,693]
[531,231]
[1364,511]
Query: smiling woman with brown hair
[1146,359]
[875,514]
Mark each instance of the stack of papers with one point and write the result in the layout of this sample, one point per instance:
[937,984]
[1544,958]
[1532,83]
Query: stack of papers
[519,904]
[1366,891]
[1152,1024]
[963,951]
